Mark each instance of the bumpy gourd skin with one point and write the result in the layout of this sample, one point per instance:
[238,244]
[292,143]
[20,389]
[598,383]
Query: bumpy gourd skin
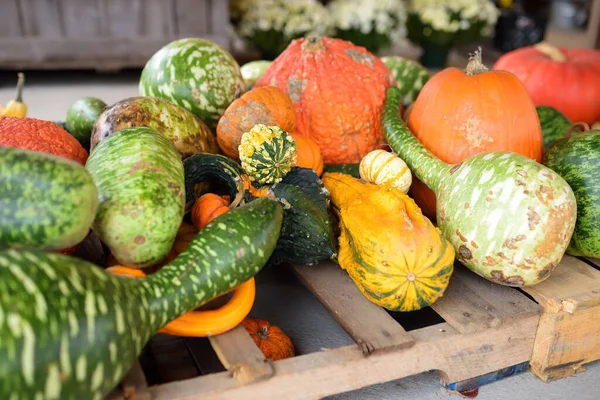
[40,135]
[393,253]
[338,90]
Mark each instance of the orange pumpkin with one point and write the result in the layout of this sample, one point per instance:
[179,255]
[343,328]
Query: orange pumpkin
[208,207]
[460,113]
[267,105]
[308,154]
[338,90]
[270,339]
[40,135]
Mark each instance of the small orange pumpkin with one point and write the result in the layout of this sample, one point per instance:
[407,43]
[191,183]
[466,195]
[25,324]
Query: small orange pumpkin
[270,339]
[208,207]
[308,154]
[266,105]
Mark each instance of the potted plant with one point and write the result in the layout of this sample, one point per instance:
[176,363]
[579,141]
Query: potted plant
[438,25]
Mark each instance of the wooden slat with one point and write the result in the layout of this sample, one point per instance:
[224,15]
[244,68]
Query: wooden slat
[158,18]
[473,304]
[41,18]
[219,17]
[371,327]
[10,24]
[193,18]
[123,18]
[240,355]
[83,18]
[317,375]
[572,282]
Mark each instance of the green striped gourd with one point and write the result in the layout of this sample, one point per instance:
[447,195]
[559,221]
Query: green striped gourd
[70,330]
[81,116]
[410,76]
[46,202]
[508,217]
[187,132]
[267,153]
[554,124]
[196,74]
[140,178]
[577,159]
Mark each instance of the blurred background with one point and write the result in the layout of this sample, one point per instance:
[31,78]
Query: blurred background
[64,45]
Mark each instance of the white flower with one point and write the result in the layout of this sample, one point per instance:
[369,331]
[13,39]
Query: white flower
[290,17]
[454,15]
[381,16]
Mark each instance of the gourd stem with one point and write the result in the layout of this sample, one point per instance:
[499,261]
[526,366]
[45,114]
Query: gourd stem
[551,51]
[424,165]
[263,333]
[475,65]
[584,127]
[20,84]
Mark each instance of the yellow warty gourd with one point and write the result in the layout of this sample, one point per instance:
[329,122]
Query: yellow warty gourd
[391,251]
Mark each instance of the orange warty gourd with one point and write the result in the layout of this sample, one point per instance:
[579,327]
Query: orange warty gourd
[268,105]
[40,135]
[460,113]
[308,154]
[270,339]
[208,207]
[338,90]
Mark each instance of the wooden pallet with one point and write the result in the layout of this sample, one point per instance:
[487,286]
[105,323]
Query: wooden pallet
[489,332]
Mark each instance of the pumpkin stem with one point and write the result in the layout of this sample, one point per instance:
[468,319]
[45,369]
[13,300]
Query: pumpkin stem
[313,43]
[20,84]
[263,333]
[475,65]
[551,51]
[584,127]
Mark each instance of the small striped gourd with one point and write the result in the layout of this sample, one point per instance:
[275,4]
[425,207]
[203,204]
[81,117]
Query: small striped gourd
[267,153]
[392,252]
[70,330]
[509,218]
[384,168]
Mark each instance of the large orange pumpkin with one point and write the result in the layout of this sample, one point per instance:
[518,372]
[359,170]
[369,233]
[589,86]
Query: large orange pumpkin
[460,113]
[40,135]
[566,79]
[267,105]
[338,90]
[308,154]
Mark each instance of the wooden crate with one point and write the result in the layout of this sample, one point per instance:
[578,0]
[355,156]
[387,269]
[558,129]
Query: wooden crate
[102,34]
[489,332]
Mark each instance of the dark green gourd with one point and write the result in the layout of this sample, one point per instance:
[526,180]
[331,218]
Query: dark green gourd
[576,158]
[508,217]
[46,202]
[69,330]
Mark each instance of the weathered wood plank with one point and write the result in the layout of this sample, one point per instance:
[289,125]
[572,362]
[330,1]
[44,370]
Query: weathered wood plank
[158,18]
[568,336]
[10,19]
[193,17]
[371,327]
[472,304]
[123,18]
[83,18]
[240,355]
[219,17]
[42,18]
[313,376]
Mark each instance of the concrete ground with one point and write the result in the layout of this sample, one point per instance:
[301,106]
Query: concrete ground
[49,94]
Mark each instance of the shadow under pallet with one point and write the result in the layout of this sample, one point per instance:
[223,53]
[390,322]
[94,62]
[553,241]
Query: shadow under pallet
[477,333]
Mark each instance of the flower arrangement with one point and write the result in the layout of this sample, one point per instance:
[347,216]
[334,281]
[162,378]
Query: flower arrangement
[374,24]
[270,25]
[448,23]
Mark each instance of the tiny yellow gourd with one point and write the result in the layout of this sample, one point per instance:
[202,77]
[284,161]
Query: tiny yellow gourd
[16,107]
[384,168]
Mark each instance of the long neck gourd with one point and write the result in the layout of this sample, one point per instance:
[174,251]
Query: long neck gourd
[508,217]
[70,330]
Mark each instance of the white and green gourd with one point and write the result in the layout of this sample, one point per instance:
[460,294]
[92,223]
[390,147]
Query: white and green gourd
[509,218]
[196,74]
[70,330]
[267,153]
[253,71]
[410,77]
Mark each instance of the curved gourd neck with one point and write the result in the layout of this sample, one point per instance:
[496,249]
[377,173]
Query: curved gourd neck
[423,163]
